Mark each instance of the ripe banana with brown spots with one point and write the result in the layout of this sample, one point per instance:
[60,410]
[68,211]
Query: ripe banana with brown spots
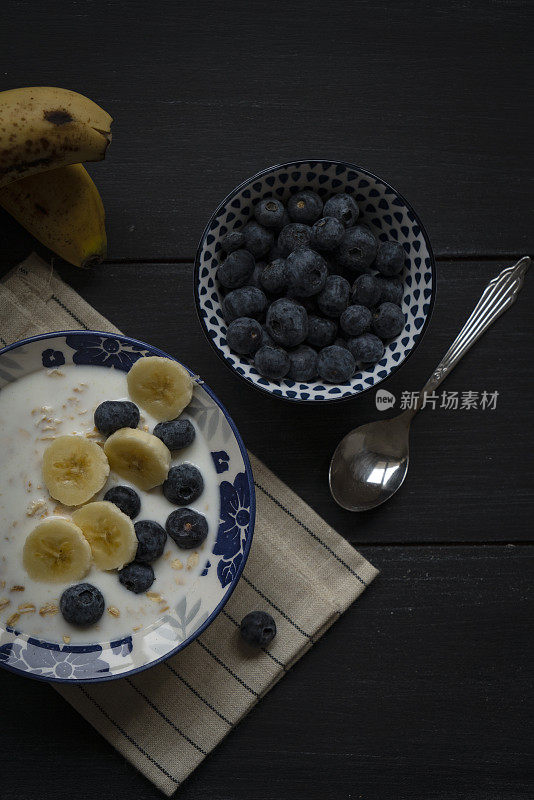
[44,127]
[62,209]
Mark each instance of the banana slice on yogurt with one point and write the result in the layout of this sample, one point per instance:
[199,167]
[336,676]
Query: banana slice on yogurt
[56,551]
[109,532]
[138,456]
[74,469]
[161,386]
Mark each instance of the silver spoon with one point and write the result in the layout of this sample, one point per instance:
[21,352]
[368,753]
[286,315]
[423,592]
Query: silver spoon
[371,462]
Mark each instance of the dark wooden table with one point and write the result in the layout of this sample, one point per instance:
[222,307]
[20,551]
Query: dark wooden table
[422,689]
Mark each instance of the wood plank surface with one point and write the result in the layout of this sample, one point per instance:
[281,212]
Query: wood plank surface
[434,97]
[420,692]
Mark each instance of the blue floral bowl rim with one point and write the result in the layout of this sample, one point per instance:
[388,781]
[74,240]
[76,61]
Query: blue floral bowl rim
[243,185]
[250,479]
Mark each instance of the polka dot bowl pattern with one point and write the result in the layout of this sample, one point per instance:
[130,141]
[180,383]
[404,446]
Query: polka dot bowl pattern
[386,212]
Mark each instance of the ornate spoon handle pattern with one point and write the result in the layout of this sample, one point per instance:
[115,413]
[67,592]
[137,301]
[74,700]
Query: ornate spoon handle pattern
[499,294]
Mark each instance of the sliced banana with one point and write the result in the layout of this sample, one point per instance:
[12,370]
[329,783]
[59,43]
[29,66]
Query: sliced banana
[74,469]
[160,386]
[56,551]
[110,533]
[138,456]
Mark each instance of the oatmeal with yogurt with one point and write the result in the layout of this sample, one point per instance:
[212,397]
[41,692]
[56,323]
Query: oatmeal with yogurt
[108,499]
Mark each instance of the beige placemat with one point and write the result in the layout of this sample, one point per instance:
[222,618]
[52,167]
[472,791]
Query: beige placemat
[167,719]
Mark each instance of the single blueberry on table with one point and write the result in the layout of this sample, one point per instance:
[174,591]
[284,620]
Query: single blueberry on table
[269,212]
[272,362]
[184,484]
[334,298]
[335,364]
[391,290]
[357,250]
[388,321]
[343,208]
[244,335]
[244,302]
[305,206]
[82,604]
[303,363]
[232,240]
[175,434]
[114,414]
[258,628]
[125,498]
[274,277]
[327,234]
[366,291]
[287,322]
[390,258]
[236,269]
[355,320]
[187,528]
[258,240]
[321,331]
[292,236]
[306,272]
[151,538]
[366,349]
[137,578]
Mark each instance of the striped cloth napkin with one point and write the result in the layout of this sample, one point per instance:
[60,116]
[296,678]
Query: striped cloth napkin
[167,719]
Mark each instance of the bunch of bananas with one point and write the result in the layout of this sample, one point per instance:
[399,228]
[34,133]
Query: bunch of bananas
[45,134]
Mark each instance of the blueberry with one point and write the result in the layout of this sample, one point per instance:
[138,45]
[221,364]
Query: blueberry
[357,251]
[334,298]
[366,291]
[255,278]
[272,362]
[266,338]
[258,240]
[321,331]
[339,342]
[184,484]
[286,220]
[306,272]
[303,360]
[391,290]
[275,252]
[292,236]
[388,321]
[258,628]
[236,269]
[326,234]
[231,241]
[137,578]
[274,277]
[151,538]
[124,498]
[187,528]
[175,434]
[366,349]
[244,302]
[82,604]
[287,322]
[269,212]
[390,258]
[355,320]
[343,208]
[335,364]
[305,206]
[244,335]
[114,414]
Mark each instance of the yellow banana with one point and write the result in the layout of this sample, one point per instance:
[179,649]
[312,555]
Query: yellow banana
[63,209]
[43,127]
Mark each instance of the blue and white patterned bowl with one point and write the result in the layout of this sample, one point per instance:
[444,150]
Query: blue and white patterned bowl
[388,214]
[187,618]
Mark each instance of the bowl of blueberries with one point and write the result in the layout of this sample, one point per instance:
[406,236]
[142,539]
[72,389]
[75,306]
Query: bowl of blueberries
[314,280]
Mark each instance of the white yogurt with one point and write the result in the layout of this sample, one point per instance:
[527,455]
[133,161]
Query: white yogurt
[35,409]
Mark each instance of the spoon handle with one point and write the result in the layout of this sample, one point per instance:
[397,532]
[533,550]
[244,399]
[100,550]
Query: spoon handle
[499,294]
